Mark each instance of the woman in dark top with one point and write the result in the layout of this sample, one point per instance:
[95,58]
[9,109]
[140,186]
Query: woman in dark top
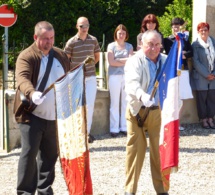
[203,75]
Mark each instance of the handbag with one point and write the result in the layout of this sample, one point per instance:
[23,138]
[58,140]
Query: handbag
[29,106]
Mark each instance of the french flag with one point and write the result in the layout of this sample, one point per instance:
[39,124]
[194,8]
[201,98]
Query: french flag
[170,106]
[72,133]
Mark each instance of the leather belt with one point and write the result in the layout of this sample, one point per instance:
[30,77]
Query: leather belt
[151,108]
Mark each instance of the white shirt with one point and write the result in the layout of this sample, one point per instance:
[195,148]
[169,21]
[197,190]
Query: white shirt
[46,110]
[137,79]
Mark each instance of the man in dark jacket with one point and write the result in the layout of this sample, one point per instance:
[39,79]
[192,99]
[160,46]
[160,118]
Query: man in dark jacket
[36,167]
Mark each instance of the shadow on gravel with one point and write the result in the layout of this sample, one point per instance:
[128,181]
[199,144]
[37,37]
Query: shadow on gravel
[8,155]
[108,149]
[108,136]
[197,150]
[196,130]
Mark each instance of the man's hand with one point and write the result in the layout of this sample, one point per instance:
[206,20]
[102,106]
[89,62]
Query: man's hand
[37,99]
[145,98]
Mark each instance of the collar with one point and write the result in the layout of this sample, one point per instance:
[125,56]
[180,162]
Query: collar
[158,59]
[78,37]
[38,51]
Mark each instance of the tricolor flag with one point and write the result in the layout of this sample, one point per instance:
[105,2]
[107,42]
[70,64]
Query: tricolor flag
[170,106]
[72,133]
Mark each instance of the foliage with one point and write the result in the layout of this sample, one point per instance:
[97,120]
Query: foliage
[179,8]
[104,16]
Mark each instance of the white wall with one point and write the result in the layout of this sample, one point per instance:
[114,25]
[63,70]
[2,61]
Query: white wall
[203,11]
[199,15]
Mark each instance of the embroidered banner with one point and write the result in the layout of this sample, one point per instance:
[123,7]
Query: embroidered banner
[72,133]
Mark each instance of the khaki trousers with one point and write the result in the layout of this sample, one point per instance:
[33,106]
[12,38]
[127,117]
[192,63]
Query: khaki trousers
[136,149]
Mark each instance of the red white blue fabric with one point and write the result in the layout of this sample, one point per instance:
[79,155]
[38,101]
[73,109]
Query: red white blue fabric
[170,104]
[72,132]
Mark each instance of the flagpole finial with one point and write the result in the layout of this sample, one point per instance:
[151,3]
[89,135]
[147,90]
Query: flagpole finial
[88,60]
[183,27]
[179,73]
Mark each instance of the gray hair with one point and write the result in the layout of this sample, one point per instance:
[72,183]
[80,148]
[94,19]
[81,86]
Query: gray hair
[42,25]
[150,32]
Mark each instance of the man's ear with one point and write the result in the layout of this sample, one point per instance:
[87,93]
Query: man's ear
[35,37]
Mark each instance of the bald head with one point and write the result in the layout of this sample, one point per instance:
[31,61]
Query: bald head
[83,27]
[82,20]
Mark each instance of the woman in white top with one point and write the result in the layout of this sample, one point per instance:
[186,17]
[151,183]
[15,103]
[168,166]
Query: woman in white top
[118,52]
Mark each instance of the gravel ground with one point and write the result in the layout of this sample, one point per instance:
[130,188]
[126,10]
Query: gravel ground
[196,175]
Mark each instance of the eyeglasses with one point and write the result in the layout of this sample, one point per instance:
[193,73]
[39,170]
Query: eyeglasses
[151,45]
[203,30]
[84,26]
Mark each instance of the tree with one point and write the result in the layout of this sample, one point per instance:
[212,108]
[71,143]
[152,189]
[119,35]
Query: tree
[104,16]
[131,13]
[179,8]
[63,14]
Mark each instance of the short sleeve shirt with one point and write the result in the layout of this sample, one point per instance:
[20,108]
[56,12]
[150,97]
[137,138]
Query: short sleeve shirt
[80,49]
[118,70]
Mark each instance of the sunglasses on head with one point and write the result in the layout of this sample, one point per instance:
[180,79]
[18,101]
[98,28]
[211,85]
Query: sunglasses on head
[84,26]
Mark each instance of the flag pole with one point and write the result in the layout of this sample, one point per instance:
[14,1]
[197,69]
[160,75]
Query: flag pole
[86,61]
[146,110]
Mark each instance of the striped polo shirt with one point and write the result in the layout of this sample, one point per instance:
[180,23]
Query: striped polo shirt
[80,50]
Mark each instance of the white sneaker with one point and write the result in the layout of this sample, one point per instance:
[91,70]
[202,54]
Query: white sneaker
[181,128]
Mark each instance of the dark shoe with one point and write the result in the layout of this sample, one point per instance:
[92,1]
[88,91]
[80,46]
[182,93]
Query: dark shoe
[212,127]
[123,132]
[114,134]
[205,124]
[90,138]
[127,193]
[211,123]
[165,193]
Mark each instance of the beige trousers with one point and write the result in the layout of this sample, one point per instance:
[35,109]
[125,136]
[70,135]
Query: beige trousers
[136,149]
